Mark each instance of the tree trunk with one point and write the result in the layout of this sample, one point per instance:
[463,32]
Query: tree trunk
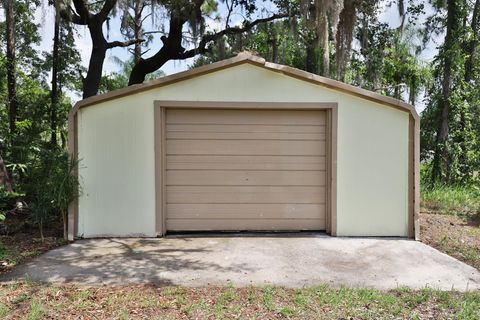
[311,58]
[473,43]
[5,177]
[138,31]
[311,39]
[91,82]
[273,41]
[40,228]
[344,37]
[172,45]
[146,66]
[441,162]
[470,51]
[11,65]
[54,92]
[324,46]
[65,225]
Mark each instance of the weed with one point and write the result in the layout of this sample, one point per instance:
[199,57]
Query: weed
[268,298]
[4,309]
[36,310]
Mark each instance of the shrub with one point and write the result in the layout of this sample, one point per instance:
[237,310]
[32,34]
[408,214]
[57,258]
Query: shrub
[52,186]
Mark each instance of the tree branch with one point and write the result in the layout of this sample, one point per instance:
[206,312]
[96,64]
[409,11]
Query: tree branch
[82,10]
[153,32]
[107,7]
[206,39]
[68,14]
[123,44]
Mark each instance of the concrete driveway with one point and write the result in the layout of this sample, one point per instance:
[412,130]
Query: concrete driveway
[286,260]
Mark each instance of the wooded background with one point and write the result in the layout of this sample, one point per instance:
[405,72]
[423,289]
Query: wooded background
[340,39]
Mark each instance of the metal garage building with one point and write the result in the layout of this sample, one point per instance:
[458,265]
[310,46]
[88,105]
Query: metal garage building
[244,144]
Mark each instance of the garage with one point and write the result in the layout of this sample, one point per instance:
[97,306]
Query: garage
[244,145]
[230,169]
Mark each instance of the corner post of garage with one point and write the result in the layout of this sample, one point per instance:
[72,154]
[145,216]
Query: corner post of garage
[73,154]
[159,128]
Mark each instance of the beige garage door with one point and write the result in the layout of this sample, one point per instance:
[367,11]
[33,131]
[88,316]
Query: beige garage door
[245,170]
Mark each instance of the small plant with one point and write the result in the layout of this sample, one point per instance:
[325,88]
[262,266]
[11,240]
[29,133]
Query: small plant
[53,186]
[36,310]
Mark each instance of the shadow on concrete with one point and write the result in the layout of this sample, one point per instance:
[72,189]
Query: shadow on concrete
[245,234]
[117,261]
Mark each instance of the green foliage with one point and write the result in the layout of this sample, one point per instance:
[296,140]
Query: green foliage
[7,199]
[456,160]
[118,80]
[52,184]
[27,151]
[452,199]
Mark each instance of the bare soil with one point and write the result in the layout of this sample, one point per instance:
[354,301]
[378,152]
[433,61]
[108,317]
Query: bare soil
[458,236]
[20,241]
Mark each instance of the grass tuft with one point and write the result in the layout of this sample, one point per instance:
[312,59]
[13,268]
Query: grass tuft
[36,310]
[4,310]
[456,200]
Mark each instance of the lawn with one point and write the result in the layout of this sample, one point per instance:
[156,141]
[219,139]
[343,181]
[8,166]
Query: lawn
[36,301]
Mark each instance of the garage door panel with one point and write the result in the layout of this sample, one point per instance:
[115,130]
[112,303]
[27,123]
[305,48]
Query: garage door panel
[245,128]
[234,117]
[245,169]
[193,135]
[250,178]
[246,147]
[246,211]
[195,162]
[244,224]
[245,194]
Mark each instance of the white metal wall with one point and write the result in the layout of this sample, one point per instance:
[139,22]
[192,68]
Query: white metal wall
[116,143]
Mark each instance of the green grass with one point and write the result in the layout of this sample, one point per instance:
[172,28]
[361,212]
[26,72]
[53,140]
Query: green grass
[458,200]
[269,302]
[36,311]
[4,310]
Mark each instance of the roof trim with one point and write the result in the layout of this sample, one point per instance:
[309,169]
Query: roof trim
[246,57]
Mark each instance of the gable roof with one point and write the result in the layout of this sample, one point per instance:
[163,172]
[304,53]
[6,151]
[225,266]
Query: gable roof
[246,57]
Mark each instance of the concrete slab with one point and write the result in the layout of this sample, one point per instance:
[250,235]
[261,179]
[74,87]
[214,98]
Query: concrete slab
[285,260]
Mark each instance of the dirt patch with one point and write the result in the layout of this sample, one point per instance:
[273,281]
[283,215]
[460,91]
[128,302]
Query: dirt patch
[458,236]
[20,241]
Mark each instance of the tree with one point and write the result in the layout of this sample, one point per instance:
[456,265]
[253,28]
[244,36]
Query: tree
[191,12]
[5,177]
[451,130]
[55,65]
[11,64]
[132,19]
[82,15]
[344,37]
[450,54]
[64,63]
